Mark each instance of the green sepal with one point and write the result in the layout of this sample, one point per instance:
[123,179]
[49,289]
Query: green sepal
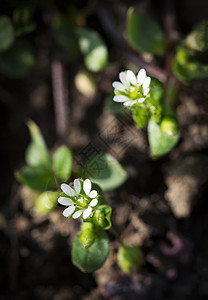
[129,257]
[88,234]
[92,258]
[141,115]
[102,216]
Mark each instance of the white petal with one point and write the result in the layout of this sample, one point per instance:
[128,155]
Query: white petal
[129,103]
[145,92]
[77,214]
[141,100]
[87,186]
[124,79]
[131,77]
[141,76]
[77,185]
[68,211]
[65,201]
[119,86]
[94,202]
[87,212]
[67,189]
[146,83]
[120,98]
[93,194]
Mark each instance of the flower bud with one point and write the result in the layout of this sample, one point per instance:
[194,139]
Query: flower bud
[129,257]
[102,216]
[169,125]
[87,234]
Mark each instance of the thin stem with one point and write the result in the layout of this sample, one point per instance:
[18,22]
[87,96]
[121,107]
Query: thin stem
[115,233]
[60,96]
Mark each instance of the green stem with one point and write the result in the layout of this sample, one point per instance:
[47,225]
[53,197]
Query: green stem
[115,233]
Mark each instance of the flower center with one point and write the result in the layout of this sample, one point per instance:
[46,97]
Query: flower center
[135,93]
[82,202]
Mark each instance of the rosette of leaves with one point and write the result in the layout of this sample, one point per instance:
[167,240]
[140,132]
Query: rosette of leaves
[191,60]
[42,172]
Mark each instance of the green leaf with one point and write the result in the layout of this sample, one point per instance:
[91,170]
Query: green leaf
[189,65]
[36,178]
[87,235]
[104,170]
[18,61]
[62,163]
[37,152]
[6,33]
[92,258]
[46,202]
[144,34]
[160,142]
[129,257]
[93,48]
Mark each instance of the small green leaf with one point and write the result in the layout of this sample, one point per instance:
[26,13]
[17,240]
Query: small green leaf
[37,178]
[62,163]
[129,257]
[102,216]
[18,61]
[143,34]
[46,202]
[37,152]
[156,92]
[105,170]
[6,33]
[93,48]
[160,142]
[92,258]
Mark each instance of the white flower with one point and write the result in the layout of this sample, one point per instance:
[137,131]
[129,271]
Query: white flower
[80,199]
[131,89]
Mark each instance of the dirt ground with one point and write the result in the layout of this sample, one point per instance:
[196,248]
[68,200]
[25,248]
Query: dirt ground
[162,207]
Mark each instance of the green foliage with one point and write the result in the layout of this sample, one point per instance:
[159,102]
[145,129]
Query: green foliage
[62,163]
[93,48]
[102,216]
[41,173]
[144,34]
[6,33]
[160,141]
[104,170]
[46,202]
[37,152]
[191,57]
[36,177]
[18,61]
[91,258]
[23,22]
[190,65]
[129,257]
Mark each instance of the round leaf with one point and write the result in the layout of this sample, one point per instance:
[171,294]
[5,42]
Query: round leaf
[160,142]
[143,34]
[129,257]
[6,33]
[93,48]
[104,170]
[92,258]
